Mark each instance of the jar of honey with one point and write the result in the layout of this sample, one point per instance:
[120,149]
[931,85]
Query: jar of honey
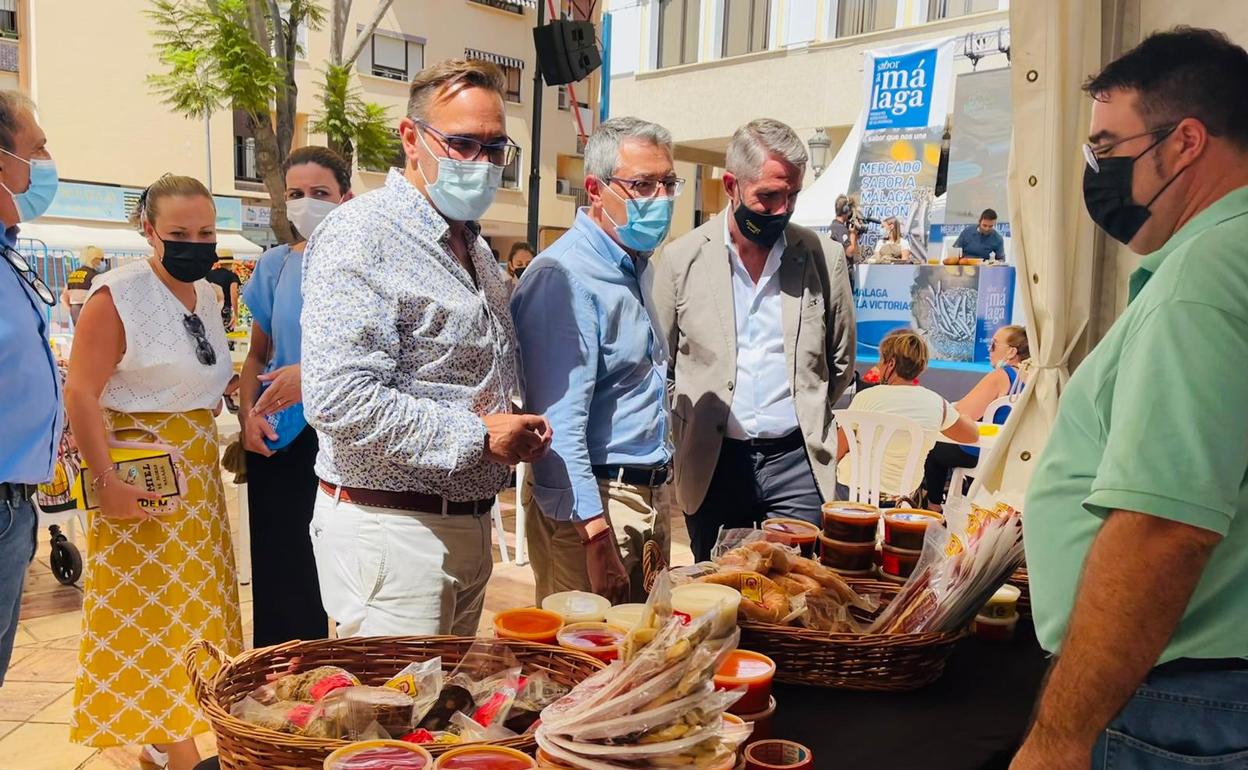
[906,527]
[847,558]
[792,532]
[485,758]
[597,639]
[376,755]
[752,670]
[850,522]
[898,562]
[528,624]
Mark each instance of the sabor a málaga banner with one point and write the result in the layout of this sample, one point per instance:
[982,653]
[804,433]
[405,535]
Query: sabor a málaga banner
[907,93]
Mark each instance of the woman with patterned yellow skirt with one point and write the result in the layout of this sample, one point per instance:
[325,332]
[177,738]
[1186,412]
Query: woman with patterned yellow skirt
[146,367]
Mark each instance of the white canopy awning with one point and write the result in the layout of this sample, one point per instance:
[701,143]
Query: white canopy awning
[242,248]
[117,239]
[111,238]
[816,205]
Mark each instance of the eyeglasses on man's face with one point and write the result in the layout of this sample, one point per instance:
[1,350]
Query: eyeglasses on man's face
[1093,155]
[650,188]
[500,153]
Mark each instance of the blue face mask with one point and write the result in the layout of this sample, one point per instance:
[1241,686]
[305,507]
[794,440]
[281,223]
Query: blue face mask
[38,196]
[648,222]
[464,189]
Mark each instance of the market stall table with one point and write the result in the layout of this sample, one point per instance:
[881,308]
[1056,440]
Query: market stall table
[973,718]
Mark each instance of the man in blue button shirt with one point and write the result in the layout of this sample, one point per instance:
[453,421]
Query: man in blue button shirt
[30,411]
[982,240]
[595,368]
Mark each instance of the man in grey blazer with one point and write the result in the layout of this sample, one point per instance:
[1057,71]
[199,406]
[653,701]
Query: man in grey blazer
[758,318]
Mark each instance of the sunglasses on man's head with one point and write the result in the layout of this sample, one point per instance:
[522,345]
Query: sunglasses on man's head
[203,349]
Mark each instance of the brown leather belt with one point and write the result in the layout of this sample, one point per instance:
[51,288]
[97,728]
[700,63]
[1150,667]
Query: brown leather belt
[417,502]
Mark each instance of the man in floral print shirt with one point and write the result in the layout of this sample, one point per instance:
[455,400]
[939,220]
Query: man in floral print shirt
[408,368]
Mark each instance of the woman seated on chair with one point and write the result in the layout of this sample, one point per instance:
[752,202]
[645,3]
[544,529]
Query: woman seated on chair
[1010,358]
[903,357]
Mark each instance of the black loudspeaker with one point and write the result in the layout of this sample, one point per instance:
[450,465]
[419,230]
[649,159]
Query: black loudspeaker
[566,51]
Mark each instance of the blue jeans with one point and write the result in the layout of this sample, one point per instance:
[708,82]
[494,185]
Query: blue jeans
[1180,720]
[18,525]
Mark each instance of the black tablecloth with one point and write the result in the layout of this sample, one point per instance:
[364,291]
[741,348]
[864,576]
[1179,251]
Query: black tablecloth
[972,719]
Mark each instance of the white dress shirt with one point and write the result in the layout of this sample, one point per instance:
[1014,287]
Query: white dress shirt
[762,402]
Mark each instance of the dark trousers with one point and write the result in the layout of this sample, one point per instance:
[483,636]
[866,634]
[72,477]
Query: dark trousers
[753,483]
[941,461]
[281,491]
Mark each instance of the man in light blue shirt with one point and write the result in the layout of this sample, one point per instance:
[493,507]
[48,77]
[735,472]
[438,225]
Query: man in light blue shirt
[593,365]
[30,411]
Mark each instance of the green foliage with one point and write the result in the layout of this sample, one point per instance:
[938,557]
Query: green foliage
[217,56]
[352,125]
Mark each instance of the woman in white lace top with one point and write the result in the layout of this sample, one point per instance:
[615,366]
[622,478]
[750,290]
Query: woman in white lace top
[149,364]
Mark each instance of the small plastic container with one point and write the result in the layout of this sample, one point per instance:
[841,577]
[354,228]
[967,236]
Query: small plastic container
[905,528]
[793,532]
[485,758]
[774,754]
[761,721]
[625,616]
[1003,604]
[694,600]
[597,639]
[577,606]
[380,755]
[850,522]
[995,629]
[753,670]
[545,761]
[528,624]
[847,558]
[898,562]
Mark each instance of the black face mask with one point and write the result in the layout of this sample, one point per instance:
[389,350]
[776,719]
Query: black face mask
[763,229]
[188,262]
[519,271]
[1107,195]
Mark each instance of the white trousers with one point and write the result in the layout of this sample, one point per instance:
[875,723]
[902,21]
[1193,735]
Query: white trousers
[384,572]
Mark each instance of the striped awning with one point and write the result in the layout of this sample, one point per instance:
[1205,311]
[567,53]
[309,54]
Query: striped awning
[499,59]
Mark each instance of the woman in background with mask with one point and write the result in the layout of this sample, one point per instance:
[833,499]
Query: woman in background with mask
[281,448]
[149,364]
[1010,357]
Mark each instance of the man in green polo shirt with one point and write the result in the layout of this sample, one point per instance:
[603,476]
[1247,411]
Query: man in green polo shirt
[1136,520]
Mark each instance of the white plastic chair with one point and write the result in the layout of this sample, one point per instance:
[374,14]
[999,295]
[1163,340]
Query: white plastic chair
[957,479]
[869,434]
[522,550]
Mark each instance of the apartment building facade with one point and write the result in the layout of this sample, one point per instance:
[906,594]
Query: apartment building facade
[704,67]
[85,64]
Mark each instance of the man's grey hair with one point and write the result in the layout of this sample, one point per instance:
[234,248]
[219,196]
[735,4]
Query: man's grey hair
[756,141]
[602,151]
[13,106]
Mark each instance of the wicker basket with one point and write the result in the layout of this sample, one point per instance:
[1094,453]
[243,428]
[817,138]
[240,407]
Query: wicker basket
[1019,580]
[879,662]
[244,746]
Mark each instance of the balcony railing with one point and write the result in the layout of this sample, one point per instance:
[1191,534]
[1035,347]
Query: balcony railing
[245,159]
[9,55]
[503,5]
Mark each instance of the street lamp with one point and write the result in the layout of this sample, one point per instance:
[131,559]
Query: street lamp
[820,145]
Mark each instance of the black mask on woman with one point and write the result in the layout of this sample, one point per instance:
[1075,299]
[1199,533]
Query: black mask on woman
[188,262]
[763,229]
